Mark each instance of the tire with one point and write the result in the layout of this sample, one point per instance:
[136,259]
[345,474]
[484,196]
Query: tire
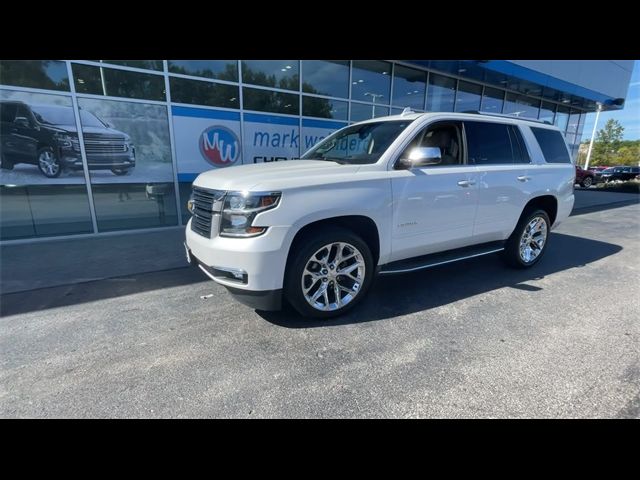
[5,164]
[121,171]
[49,163]
[587,182]
[512,254]
[305,268]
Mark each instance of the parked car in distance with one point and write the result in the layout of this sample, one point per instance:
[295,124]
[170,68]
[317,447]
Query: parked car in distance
[597,168]
[47,136]
[584,177]
[622,173]
[384,196]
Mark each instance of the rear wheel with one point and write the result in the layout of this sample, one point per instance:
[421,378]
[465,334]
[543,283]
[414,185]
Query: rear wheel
[329,274]
[5,164]
[587,182]
[120,171]
[528,242]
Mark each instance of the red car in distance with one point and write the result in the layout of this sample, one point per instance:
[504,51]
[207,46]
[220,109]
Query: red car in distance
[584,177]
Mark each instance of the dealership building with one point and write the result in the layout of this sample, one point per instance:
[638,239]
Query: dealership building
[97,146]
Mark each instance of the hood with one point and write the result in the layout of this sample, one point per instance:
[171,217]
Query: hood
[93,130]
[275,175]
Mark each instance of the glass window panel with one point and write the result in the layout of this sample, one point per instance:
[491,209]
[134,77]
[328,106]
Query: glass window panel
[118,83]
[409,87]
[468,97]
[128,206]
[574,119]
[562,117]
[270,101]
[521,106]
[272,73]
[492,100]
[361,112]
[440,94]
[42,184]
[185,189]
[43,210]
[488,143]
[204,93]
[147,64]
[547,112]
[371,81]
[324,108]
[552,145]
[218,69]
[47,74]
[326,77]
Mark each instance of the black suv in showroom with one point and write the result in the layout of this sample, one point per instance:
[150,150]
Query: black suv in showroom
[47,136]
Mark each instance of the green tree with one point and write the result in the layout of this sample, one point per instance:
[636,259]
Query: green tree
[608,141]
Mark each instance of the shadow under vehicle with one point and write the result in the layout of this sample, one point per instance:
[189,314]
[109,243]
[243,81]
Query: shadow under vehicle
[47,136]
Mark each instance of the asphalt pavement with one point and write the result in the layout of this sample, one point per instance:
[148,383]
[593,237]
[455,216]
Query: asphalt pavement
[466,340]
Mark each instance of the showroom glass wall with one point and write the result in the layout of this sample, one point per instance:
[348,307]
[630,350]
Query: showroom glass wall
[92,143]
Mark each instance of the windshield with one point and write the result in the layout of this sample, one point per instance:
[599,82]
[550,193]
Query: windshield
[358,144]
[54,115]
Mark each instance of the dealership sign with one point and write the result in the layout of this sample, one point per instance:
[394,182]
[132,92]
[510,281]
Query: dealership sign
[209,138]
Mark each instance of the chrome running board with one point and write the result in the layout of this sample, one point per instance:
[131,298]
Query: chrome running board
[440,258]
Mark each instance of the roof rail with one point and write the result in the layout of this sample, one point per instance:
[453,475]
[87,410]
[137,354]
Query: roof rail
[506,115]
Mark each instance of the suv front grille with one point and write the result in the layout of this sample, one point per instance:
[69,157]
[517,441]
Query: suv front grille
[206,204]
[103,144]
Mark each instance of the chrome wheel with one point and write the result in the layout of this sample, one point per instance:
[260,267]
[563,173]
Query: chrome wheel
[533,239]
[587,182]
[333,276]
[48,163]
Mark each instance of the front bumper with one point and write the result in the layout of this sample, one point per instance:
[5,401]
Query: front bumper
[258,299]
[72,160]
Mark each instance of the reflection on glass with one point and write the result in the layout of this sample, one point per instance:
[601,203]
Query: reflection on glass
[371,81]
[409,86]
[48,74]
[147,64]
[492,100]
[468,97]
[185,189]
[219,69]
[441,93]
[39,141]
[204,93]
[562,117]
[547,112]
[43,210]
[574,119]
[326,77]
[270,101]
[126,142]
[324,108]
[272,73]
[118,83]
[127,206]
[361,112]
[521,106]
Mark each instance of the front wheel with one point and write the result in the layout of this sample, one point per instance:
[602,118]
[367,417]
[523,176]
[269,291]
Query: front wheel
[120,171]
[528,242]
[49,163]
[329,274]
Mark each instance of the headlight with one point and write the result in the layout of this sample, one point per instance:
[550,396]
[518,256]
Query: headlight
[63,140]
[191,205]
[240,209]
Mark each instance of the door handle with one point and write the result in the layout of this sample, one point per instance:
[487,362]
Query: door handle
[466,183]
[523,178]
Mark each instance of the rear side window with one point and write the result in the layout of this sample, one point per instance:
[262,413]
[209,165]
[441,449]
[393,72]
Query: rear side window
[488,143]
[552,144]
[7,112]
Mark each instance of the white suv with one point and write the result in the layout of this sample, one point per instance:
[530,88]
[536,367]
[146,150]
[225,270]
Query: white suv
[383,196]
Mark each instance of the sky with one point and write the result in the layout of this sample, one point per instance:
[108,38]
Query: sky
[629,116]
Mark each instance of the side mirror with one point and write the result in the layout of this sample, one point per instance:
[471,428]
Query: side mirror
[22,121]
[422,157]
